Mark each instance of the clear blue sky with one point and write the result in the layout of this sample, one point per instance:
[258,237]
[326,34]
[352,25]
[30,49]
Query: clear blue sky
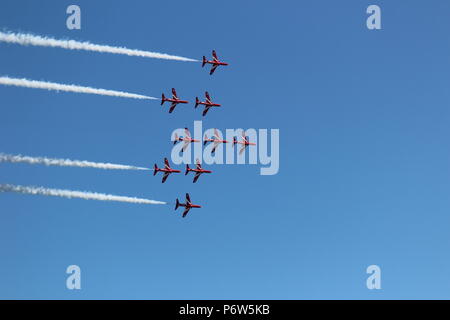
[364,156]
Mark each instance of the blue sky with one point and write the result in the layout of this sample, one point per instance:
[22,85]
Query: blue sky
[364,152]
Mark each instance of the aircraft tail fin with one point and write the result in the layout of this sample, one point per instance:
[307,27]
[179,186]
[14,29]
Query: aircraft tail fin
[204,140]
[234,141]
[204,61]
[176,139]
[197,102]
[155,170]
[187,170]
[163,99]
[177,204]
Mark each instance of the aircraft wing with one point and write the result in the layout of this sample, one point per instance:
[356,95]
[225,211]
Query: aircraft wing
[166,163]
[197,175]
[216,143]
[214,67]
[216,133]
[172,107]
[214,54]
[242,149]
[188,199]
[187,133]
[186,144]
[166,174]
[199,166]
[205,111]
[174,93]
[186,211]
[208,98]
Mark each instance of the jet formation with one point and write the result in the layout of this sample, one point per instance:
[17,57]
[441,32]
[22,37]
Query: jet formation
[187,139]
[198,170]
[175,100]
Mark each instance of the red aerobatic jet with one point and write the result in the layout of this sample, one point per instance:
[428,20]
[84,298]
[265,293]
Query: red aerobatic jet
[207,103]
[187,139]
[245,143]
[198,171]
[174,100]
[215,62]
[187,206]
[167,170]
[214,139]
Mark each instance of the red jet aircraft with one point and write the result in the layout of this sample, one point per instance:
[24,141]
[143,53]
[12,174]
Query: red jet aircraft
[187,139]
[245,143]
[167,170]
[214,139]
[207,103]
[215,62]
[174,100]
[187,206]
[198,171]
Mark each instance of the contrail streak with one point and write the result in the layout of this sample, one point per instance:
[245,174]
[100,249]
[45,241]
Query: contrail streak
[29,39]
[65,162]
[68,87]
[74,194]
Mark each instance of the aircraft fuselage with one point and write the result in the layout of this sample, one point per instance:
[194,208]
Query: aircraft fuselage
[184,205]
[217,63]
[168,170]
[175,100]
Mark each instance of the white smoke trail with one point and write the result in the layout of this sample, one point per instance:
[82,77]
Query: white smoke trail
[29,39]
[65,162]
[74,194]
[70,88]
